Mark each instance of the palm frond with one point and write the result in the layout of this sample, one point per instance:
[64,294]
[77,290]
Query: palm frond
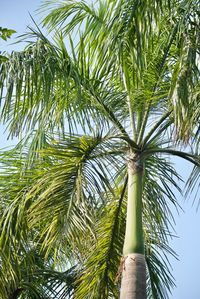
[73,15]
[68,182]
[160,281]
[30,276]
[186,72]
[158,199]
[47,88]
[193,184]
[188,156]
[100,268]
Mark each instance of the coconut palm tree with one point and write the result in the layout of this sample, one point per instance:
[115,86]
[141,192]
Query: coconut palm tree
[100,112]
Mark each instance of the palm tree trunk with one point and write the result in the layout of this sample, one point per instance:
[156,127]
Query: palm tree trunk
[133,285]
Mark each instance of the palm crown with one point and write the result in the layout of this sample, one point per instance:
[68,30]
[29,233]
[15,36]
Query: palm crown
[125,90]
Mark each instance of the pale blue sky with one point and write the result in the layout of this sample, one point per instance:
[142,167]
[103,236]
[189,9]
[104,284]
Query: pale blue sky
[15,14]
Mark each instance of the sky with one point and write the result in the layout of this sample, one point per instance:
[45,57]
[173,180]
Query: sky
[14,14]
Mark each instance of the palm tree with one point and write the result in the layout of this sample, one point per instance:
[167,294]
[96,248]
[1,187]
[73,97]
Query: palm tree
[100,117]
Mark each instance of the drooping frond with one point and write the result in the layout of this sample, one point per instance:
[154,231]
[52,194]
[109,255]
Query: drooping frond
[48,87]
[185,77]
[158,201]
[28,275]
[68,181]
[193,184]
[160,280]
[41,82]
[101,273]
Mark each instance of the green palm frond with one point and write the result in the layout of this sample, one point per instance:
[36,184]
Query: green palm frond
[78,12]
[160,279]
[158,196]
[158,200]
[57,82]
[188,156]
[51,80]
[100,270]
[193,184]
[186,72]
[76,171]
[30,276]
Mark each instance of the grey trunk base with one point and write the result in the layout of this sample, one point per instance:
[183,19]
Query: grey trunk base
[133,284]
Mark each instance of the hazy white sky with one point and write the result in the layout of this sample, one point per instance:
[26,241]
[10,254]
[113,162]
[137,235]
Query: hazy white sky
[14,14]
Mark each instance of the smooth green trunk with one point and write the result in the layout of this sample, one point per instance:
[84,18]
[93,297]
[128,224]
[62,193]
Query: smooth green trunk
[134,242]
[133,284]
